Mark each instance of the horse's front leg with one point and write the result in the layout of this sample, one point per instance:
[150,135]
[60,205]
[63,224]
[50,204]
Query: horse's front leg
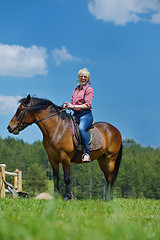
[109,192]
[66,170]
[56,179]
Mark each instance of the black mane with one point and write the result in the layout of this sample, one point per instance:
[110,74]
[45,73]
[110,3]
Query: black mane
[39,104]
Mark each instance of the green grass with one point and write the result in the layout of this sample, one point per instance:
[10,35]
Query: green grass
[120,219]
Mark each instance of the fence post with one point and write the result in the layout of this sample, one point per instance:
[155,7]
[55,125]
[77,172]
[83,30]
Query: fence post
[20,181]
[15,184]
[2,177]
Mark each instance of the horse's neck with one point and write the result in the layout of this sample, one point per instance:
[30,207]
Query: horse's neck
[46,125]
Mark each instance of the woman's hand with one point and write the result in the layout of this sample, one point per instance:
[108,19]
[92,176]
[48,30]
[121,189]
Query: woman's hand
[64,105]
[68,105]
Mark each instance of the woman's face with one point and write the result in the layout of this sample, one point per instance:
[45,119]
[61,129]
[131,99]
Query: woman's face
[83,80]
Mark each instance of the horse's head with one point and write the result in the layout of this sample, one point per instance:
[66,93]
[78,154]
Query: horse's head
[22,117]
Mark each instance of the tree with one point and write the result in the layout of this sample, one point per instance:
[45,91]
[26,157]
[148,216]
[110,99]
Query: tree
[35,180]
[138,174]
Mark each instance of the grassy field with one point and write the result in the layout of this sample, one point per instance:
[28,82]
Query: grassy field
[27,219]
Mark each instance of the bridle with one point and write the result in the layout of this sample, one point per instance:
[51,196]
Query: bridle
[26,109]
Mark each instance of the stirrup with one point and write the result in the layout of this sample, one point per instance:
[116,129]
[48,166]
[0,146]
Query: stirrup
[86,158]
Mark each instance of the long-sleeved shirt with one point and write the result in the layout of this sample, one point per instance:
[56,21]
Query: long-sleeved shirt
[78,94]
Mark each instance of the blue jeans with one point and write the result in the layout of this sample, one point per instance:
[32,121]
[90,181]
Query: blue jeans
[85,119]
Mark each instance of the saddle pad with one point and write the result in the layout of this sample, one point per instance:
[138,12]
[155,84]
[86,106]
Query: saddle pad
[96,142]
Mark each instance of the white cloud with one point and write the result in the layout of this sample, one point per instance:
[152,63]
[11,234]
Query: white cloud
[156,18]
[18,61]
[8,104]
[122,12]
[62,55]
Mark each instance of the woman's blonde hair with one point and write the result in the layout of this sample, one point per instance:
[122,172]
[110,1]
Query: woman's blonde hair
[84,72]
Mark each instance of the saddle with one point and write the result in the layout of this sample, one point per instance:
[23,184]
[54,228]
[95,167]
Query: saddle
[94,136]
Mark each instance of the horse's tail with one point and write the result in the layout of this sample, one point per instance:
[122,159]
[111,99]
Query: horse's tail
[117,164]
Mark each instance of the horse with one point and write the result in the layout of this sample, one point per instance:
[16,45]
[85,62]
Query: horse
[56,127]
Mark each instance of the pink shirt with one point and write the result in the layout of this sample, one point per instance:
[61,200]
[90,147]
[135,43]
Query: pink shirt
[78,94]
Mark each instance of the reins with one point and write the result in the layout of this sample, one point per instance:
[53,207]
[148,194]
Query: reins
[26,109]
[62,110]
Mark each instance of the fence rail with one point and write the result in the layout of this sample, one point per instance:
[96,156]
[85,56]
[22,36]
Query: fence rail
[17,184]
[11,174]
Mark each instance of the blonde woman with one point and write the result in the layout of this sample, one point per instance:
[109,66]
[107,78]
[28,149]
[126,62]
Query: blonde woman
[81,104]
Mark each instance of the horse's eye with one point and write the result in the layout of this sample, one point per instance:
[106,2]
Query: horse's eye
[18,113]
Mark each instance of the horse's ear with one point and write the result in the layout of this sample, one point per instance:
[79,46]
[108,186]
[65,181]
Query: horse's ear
[28,98]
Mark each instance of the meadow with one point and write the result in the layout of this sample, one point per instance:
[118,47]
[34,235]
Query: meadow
[120,219]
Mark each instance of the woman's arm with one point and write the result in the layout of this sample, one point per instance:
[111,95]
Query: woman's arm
[88,101]
[71,106]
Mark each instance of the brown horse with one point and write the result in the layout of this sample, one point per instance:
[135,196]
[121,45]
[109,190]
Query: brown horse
[55,125]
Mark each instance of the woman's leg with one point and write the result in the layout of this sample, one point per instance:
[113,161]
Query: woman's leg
[85,123]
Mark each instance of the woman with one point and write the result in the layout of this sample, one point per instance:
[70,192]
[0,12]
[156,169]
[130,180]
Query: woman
[81,104]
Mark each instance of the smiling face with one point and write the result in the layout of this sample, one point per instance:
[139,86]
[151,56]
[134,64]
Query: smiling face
[83,80]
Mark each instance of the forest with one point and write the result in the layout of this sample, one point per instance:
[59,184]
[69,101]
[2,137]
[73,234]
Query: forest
[138,175]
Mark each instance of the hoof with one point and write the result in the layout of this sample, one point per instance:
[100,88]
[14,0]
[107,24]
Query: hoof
[56,195]
[109,199]
[67,198]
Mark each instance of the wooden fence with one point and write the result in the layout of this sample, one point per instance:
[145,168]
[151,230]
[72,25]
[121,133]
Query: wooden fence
[14,189]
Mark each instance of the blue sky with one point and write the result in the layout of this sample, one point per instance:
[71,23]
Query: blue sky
[43,44]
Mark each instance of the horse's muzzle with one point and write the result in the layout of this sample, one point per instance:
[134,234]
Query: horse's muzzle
[12,130]
[9,129]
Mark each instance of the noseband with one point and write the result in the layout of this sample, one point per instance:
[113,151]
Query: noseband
[20,125]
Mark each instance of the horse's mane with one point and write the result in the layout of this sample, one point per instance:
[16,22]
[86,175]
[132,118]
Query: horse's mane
[39,104]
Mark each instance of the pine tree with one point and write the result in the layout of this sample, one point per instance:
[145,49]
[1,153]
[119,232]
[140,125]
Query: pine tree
[35,180]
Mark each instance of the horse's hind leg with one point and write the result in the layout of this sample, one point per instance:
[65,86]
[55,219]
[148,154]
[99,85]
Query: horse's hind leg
[107,165]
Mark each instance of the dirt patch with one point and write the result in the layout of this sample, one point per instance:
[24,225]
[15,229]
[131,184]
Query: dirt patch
[46,196]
